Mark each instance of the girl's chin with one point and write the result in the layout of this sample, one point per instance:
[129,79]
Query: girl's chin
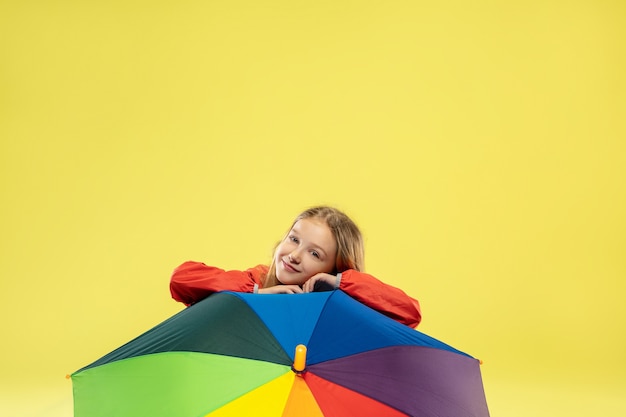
[286,282]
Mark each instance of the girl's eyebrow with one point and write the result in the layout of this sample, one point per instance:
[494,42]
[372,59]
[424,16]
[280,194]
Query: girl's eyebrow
[323,252]
[319,249]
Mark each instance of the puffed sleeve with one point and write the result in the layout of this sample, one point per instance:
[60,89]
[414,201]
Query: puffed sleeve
[389,300]
[194,281]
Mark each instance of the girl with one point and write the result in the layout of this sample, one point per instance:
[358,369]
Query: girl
[323,250]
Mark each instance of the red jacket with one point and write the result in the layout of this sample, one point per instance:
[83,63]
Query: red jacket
[194,281]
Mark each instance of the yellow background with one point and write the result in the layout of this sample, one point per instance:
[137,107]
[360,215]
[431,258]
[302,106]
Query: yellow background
[480,145]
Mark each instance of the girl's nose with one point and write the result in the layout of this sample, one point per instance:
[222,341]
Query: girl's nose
[294,257]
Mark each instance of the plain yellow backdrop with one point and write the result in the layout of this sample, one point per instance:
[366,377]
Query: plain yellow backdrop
[480,145]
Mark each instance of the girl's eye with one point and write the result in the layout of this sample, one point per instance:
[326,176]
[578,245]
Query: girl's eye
[293,239]
[315,254]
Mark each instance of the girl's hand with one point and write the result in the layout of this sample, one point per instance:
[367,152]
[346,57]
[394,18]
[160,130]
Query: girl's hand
[323,282]
[281,289]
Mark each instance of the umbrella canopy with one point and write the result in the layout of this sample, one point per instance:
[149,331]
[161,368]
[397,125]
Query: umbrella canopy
[233,354]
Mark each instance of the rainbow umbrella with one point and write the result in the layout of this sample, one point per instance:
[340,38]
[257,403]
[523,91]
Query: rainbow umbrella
[305,355]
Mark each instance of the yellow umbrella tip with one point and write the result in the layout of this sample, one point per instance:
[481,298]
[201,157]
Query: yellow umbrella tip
[299,361]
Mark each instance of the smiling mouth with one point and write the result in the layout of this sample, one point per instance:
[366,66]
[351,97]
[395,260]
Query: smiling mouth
[288,267]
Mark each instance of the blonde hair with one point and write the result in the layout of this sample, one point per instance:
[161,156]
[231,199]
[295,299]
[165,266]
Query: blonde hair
[350,247]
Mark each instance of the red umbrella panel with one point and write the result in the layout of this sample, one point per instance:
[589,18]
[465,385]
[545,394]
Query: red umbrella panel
[317,354]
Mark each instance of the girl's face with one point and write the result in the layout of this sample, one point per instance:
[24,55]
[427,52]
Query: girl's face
[308,249]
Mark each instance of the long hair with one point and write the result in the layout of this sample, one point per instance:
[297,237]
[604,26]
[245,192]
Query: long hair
[350,247]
